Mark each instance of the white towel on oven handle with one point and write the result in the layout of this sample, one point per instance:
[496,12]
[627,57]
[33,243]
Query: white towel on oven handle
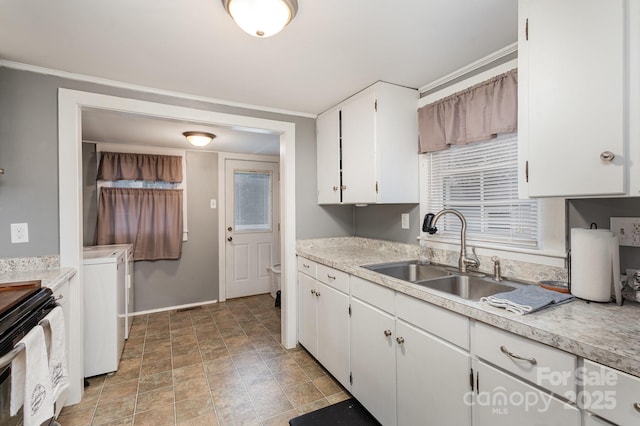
[31,380]
[55,336]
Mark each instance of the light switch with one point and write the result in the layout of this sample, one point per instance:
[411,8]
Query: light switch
[405,220]
[213,203]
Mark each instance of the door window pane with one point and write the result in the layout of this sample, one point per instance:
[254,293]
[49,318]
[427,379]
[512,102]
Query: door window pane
[252,198]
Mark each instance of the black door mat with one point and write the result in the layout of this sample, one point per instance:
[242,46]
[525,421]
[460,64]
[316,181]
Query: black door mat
[348,412]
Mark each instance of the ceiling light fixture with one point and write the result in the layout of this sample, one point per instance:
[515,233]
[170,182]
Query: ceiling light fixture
[199,138]
[261,18]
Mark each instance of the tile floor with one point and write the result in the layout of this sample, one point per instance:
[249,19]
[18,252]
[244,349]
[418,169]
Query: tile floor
[221,364]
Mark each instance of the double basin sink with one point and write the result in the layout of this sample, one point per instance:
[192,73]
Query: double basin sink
[440,278]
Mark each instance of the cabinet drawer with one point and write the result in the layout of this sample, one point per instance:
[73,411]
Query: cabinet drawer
[438,321]
[333,278]
[374,294]
[307,266]
[611,394]
[503,400]
[548,367]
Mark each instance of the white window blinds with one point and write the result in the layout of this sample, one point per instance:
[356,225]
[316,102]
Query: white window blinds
[481,181]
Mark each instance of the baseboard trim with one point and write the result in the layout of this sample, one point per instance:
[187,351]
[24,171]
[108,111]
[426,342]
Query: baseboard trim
[174,308]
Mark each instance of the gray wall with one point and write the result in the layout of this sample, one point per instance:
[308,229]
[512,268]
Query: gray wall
[384,222]
[29,189]
[89,193]
[193,278]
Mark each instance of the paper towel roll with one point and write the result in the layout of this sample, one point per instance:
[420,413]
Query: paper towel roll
[591,264]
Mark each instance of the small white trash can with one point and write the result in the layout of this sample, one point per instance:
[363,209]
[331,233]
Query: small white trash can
[274,271]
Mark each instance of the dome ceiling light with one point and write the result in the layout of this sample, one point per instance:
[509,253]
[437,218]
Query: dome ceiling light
[261,18]
[199,138]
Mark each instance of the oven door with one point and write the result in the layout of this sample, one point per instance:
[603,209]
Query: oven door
[5,399]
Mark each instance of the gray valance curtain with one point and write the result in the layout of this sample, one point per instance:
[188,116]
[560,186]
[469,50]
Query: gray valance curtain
[478,113]
[130,166]
[151,219]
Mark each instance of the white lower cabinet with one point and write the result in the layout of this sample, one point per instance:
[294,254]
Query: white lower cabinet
[323,317]
[610,394]
[333,332]
[373,356]
[402,372]
[503,400]
[307,313]
[520,381]
[410,362]
[432,379]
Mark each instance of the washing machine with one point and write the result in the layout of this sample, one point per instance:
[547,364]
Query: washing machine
[104,289]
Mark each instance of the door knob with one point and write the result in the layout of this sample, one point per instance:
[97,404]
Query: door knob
[607,156]
[387,333]
[229,229]
[229,238]
[400,340]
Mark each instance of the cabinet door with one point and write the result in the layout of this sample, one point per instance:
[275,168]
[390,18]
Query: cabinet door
[373,361]
[328,156]
[503,400]
[433,378]
[359,148]
[593,420]
[307,313]
[572,95]
[333,332]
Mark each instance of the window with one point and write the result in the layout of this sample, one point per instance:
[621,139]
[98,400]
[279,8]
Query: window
[252,199]
[109,147]
[481,181]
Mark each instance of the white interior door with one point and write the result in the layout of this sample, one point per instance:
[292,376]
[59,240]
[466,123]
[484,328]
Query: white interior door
[252,227]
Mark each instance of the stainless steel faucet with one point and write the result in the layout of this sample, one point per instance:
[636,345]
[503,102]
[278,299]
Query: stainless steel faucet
[464,261]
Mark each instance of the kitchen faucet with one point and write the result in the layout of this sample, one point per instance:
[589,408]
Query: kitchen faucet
[464,261]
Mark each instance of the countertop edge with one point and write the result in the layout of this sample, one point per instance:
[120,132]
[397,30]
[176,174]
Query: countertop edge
[52,278]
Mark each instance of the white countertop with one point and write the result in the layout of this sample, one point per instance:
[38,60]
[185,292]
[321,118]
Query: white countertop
[51,278]
[602,332]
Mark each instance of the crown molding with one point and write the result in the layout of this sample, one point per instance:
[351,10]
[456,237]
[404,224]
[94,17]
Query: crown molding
[498,54]
[144,89]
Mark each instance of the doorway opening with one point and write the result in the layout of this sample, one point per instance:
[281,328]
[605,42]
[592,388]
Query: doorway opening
[70,106]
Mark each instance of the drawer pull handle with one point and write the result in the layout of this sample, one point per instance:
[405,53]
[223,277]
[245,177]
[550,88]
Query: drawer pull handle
[516,356]
[304,265]
[387,333]
[637,406]
[330,277]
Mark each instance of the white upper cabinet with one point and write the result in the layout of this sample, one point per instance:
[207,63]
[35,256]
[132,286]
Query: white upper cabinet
[368,148]
[328,155]
[573,96]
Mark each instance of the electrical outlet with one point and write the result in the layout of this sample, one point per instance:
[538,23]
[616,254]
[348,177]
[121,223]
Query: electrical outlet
[627,229]
[213,203]
[19,233]
[405,220]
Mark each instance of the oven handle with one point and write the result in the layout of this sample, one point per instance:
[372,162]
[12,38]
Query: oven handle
[9,356]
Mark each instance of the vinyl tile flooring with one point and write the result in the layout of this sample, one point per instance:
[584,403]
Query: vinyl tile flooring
[221,364]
